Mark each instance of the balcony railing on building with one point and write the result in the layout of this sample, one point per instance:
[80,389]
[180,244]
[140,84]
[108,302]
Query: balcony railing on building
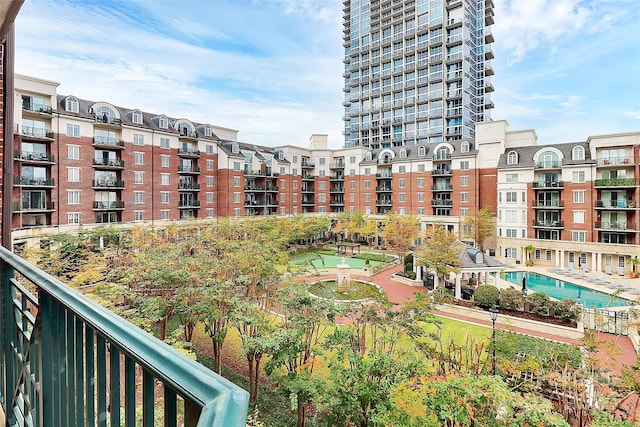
[616,161]
[27,206]
[548,224]
[33,156]
[109,142]
[616,204]
[109,163]
[611,225]
[37,107]
[105,184]
[188,152]
[35,132]
[553,204]
[187,204]
[28,181]
[336,165]
[441,202]
[441,187]
[615,182]
[189,186]
[189,169]
[548,164]
[109,205]
[66,361]
[547,184]
[384,202]
[442,172]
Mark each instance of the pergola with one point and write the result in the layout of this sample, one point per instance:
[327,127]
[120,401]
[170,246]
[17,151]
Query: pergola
[342,248]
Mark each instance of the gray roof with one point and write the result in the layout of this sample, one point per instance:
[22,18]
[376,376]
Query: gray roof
[468,257]
[525,155]
[412,152]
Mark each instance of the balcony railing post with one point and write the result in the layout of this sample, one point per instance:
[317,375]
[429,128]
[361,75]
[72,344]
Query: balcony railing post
[6,331]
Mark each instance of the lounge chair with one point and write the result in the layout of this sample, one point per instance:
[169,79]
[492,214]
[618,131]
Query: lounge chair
[607,269]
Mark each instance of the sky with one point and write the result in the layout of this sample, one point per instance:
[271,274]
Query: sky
[272,69]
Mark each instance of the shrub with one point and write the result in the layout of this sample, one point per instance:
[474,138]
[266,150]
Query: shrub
[408,267]
[565,310]
[442,295]
[511,299]
[540,303]
[486,295]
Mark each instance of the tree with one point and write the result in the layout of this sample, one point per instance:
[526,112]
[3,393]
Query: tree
[529,249]
[480,226]
[400,232]
[440,251]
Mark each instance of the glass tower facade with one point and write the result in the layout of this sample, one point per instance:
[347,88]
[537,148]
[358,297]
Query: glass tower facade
[416,71]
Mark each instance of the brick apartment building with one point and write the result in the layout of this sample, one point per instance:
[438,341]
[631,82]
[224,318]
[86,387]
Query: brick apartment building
[84,163]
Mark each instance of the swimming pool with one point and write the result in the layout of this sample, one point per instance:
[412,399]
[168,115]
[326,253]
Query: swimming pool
[559,289]
[330,261]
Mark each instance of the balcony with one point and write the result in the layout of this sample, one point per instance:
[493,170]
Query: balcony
[442,172]
[105,184]
[307,165]
[108,163]
[384,202]
[616,182]
[66,361]
[611,225]
[337,189]
[37,108]
[188,152]
[439,187]
[107,121]
[615,161]
[107,142]
[249,203]
[384,175]
[547,184]
[384,189]
[188,204]
[336,178]
[548,204]
[254,188]
[555,164]
[189,170]
[29,207]
[33,157]
[108,206]
[441,202]
[188,186]
[25,181]
[336,165]
[274,189]
[548,224]
[30,132]
[616,204]
[307,177]
[441,156]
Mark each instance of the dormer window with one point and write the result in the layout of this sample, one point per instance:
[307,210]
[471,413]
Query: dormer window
[403,153]
[207,131]
[512,158]
[577,153]
[71,104]
[136,117]
[163,122]
[184,129]
[368,156]
[235,148]
[465,147]
[422,151]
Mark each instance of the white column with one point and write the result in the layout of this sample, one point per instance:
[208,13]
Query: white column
[435,281]
[557,258]
[594,261]
[418,270]
[599,262]
[561,258]
[458,293]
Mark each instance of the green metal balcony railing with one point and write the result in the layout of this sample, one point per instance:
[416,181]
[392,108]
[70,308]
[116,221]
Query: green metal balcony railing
[67,361]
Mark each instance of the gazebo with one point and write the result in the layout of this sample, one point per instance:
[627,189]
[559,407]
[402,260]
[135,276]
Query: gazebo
[342,248]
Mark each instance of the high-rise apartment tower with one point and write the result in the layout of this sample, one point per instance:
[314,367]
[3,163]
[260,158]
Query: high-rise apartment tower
[416,71]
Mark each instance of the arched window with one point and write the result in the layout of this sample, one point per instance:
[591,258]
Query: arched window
[368,156]
[71,104]
[465,146]
[207,130]
[422,151]
[443,153]
[403,153]
[512,158]
[105,114]
[184,129]
[577,153]
[548,159]
[235,148]
[136,117]
[163,122]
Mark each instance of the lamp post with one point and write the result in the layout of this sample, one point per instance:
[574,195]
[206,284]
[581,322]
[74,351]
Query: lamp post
[493,312]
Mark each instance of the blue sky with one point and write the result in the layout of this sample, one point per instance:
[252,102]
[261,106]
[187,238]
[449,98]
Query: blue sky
[272,69]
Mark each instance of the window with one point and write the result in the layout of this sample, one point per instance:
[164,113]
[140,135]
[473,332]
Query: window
[422,151]
[164,143]
[547,255]
[138,215]
[420,197]
[322,198]
[138,139]
[403,153]
[464,196]
[294,159]
[282,196]
[352,172]
[138,197]
[352,198]
[402,169]
[136,117]
[401,197]
[464,181]
[578,217]
[207,131]
[578,176]
[73,152]
[464,212]
[294,185]
[209,181]
[208,148]
[577,153]
[420,211]
[209,165]
[236,197]
[512,177]
[209,197]
[282,171]
[579,236]
[283,184]
[322,161]
[164,179]
[367,171]
[164,214]
[401,183]
[138,177]
[236,211]
[511,253]
[421,167]
[236,166]
[73,197]
[163,122]
[73,218]
[294,198]
[209,212]
[164,197]
[578,196]
[138,158]
[322,173]
[511,196]
[73,130]
[512,158]
[420,182]
[511,215]
[367,197]
[322,185]
[73,174]
[352,159]
[367,184]
[464,165]
[465,146]
[164,160]
[71,105]
[352,185]
[236,181]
